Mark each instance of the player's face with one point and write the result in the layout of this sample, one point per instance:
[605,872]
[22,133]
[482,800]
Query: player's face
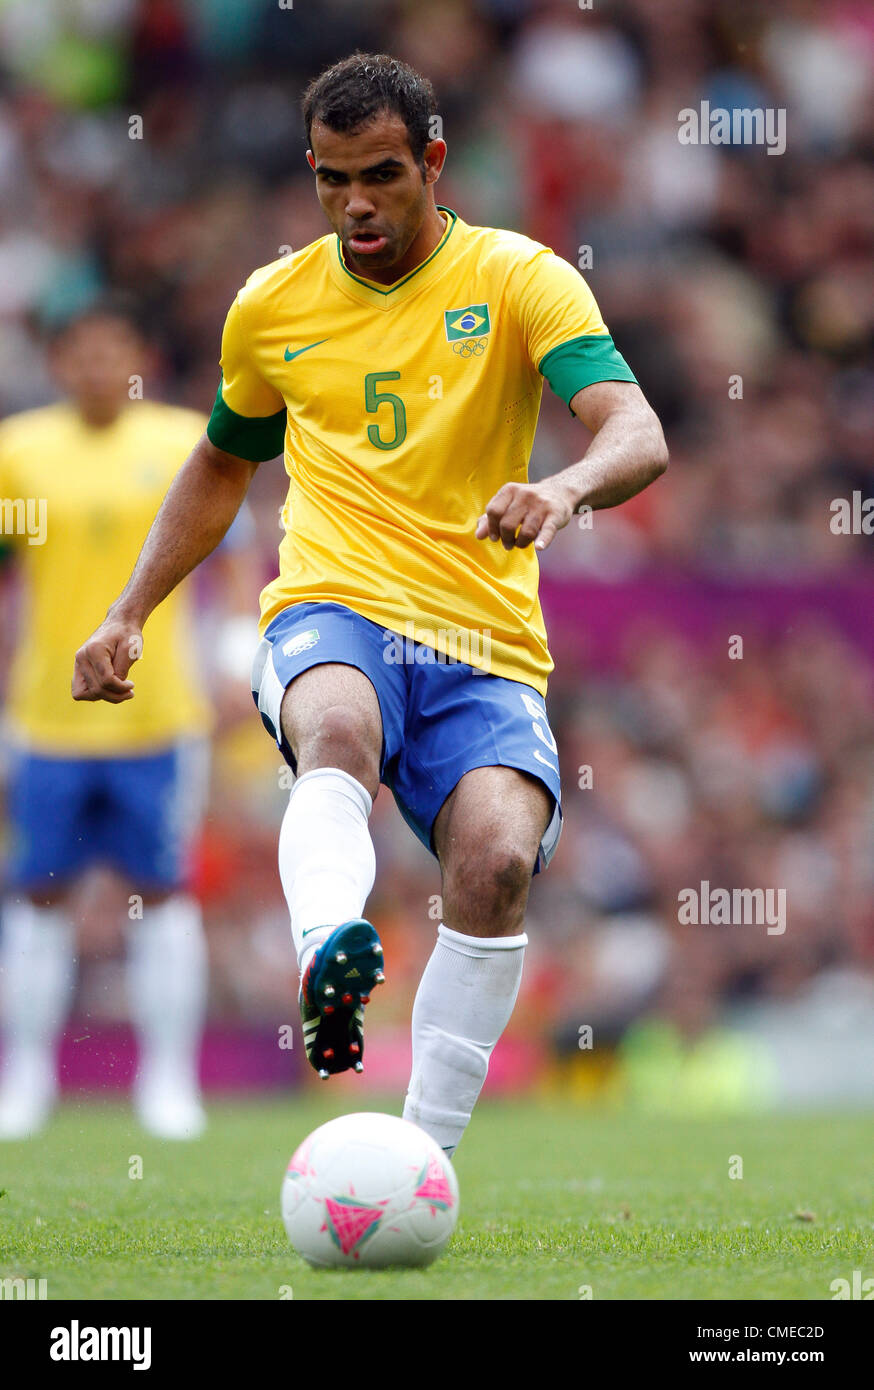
[94,361]
[373,192]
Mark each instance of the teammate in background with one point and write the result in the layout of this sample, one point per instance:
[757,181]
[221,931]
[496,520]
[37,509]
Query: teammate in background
[89,785]
[401,359]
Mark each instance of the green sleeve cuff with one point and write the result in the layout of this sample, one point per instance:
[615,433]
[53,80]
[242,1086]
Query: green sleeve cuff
[256,439]
[581,362]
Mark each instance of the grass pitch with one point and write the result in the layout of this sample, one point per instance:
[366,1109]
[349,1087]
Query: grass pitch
[555,1200]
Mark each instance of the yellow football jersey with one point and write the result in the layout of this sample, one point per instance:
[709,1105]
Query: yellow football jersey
[77,503]
[403,409]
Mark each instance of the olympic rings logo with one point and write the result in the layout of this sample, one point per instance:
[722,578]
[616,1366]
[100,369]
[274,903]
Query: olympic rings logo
[470,347]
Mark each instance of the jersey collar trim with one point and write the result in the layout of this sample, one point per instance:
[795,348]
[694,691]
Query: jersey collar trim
[371,286]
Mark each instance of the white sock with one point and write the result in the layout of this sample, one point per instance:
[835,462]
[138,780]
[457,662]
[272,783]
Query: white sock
[37,966]
[167,977]
[326,858]
[463,1004]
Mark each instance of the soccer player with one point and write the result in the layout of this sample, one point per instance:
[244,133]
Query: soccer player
[401,358]
[93,785]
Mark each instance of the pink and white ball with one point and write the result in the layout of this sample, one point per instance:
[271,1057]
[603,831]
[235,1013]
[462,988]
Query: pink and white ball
[367,1191]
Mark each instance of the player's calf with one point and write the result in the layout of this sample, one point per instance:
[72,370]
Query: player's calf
[488,835]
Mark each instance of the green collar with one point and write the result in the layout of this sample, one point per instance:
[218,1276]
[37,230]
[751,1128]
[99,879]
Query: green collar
[452,218]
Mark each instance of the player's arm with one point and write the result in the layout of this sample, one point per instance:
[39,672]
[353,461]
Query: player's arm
[200,505]
[567,342]
[627,453]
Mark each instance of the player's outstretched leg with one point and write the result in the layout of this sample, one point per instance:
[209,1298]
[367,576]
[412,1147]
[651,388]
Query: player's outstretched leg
[331,721]
[487,836]
[36,981]
[335,987]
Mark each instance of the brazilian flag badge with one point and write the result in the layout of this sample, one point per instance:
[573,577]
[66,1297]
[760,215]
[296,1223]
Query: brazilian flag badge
[470,322]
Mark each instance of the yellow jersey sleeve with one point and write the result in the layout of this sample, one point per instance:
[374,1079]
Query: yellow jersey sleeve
[249,416]
[565,336]
[9,503]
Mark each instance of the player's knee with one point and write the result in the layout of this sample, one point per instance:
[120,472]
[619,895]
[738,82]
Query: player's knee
[493,880]
[509,873]
[341,737]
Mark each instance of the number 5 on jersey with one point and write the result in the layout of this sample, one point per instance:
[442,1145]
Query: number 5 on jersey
[373,399]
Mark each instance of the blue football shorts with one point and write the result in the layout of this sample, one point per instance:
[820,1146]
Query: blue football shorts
[137,815]
[440,718]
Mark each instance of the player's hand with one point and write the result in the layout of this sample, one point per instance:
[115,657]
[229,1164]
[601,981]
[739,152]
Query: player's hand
[102,663]
[522,513]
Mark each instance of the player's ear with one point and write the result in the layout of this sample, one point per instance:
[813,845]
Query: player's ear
[433,158]
[311,159]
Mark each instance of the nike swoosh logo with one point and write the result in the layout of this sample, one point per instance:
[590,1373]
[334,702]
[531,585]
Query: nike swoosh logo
[309,929]
[290,356]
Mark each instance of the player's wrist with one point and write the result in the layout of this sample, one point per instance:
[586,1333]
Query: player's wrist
[569,490]
[127,614]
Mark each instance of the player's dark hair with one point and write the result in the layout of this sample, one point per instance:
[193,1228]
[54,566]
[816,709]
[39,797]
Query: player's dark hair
[110,304]
[349,94]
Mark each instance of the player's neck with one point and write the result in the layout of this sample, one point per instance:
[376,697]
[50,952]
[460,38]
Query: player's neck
[98,415]
[426,239]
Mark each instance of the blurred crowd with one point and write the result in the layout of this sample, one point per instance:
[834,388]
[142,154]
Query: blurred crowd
[156,146]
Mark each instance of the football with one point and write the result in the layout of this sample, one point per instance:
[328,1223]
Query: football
[368,1191]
